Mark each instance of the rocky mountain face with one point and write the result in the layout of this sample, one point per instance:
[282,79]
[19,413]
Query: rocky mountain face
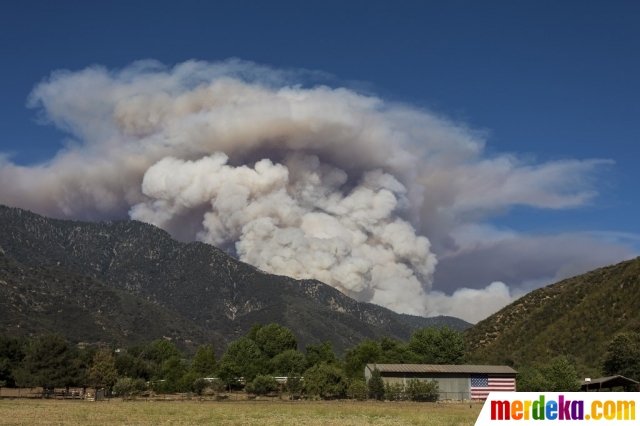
[576,317]
[201,291]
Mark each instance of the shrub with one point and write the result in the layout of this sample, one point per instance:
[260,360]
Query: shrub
[217,386]
[394,391]
[123,387]
[262,385]
[357,390]
[325,380]
[421,390]
[139,385]
[294,385]
[199,385]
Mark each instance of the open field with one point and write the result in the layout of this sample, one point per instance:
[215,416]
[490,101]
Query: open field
[116,412]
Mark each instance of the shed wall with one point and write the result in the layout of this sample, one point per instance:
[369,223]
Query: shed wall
[447,383]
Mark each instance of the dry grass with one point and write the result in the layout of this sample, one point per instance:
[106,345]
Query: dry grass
[115,412]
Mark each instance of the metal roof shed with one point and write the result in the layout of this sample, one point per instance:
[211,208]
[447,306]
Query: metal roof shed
[454,381]
[608,383]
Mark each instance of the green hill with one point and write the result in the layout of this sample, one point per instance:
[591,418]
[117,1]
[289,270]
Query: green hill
[576,317]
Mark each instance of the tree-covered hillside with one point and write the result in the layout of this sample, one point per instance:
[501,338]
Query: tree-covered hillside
[39,300]
[576,317]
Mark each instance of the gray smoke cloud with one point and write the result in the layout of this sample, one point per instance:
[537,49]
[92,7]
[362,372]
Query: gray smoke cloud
[306,181]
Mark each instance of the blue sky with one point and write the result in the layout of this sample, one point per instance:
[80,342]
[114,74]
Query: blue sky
[546,80]
[552,80]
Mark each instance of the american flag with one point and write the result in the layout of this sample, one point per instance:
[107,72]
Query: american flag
[482,384]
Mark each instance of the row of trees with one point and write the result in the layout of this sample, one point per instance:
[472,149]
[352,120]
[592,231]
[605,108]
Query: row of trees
[265,352]
[426,346]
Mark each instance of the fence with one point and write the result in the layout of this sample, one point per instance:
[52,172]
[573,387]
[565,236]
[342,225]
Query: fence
[455,396]
[92,395]
[427,397]
[57,393]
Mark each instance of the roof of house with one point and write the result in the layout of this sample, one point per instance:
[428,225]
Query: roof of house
[607,382]
[435,368]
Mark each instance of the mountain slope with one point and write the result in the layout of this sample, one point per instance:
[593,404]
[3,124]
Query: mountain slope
[35,300]
[197,281]
[575,317]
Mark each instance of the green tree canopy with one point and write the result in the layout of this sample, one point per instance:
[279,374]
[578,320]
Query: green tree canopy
[246,354]
[396,353]
[262,385]
[288,362]
[199,385]
[357,390]
[11,354]
[123,387]
[295,385]
[273,339]
[451,349]
[171,376]
[562,376]
[532,380]
[253,331]
[49,362]
[325,380]
[322,353]
[173,369]
[228,372]
[623,356]
[376,385]
[161,350]
[433,346]
[204,363]
[129,366]
[360,355]
[557,376]
[103,369]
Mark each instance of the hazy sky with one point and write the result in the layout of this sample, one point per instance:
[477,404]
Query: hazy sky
[545,82]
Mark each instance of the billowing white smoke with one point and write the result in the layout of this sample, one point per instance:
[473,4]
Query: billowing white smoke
[293,219]
[313,182]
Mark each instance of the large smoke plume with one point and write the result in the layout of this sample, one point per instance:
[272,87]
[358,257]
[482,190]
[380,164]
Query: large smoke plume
[304,181]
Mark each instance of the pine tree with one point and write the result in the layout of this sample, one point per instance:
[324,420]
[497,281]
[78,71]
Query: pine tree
[103,370]
[204,363]
[49,362]
[376,385]
[562,376]
[623,356]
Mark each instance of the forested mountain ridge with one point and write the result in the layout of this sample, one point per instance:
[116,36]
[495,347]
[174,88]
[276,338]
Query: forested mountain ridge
[576,317]
[198,282]
[39,300]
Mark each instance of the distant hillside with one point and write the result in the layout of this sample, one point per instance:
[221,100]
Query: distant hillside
[36,300]
[199,283]
[440,321]
[575,317]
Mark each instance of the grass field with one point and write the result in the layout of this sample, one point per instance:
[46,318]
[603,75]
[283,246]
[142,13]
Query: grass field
[116,412]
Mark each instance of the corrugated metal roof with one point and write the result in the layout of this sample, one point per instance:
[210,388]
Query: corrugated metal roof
[620,379]
[435,368]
